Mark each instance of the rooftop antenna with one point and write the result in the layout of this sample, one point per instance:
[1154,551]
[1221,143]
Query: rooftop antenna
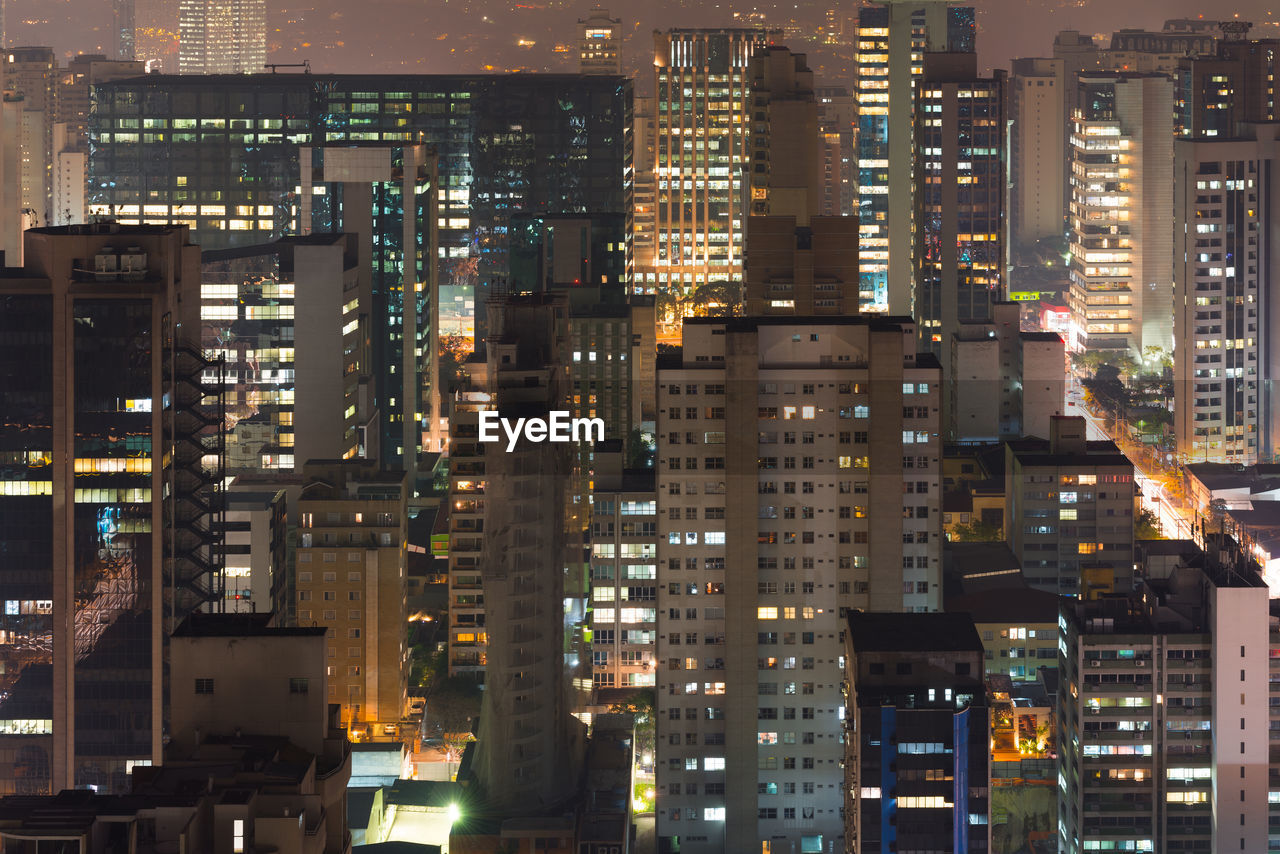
[305,65]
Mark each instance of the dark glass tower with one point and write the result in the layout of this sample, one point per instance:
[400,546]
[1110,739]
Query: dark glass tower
[88,494]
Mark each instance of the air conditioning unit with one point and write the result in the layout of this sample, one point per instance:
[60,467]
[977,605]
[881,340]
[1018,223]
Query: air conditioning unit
[1095,663]
[1141,662]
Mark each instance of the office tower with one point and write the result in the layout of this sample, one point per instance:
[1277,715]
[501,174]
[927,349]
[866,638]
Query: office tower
[1215,92]
[562,147]
[1227,259]
[799,261]
[892,36]
[351,580]
[31,72]
[529,746]
[92,500]
[802,270]
[256,575]
[291,321]
[1038,112]
[389,196]
[917,732]
[1121,294]
[1164,741]
[1004,383]
[959,177]
[839,116]
[222,36]
[624,566]
[644,159]
[122,29]
[1069,506]
[703,84]
[599,43]
[766,536]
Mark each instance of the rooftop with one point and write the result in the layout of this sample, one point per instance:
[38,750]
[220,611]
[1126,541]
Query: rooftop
[200,625]
[894,632]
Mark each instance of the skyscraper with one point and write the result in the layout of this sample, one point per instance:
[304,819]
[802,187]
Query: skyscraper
[892,37]
[529,746]
[702,78]
[90,500]
[959,199]
[600,41]
[32,73]
[801,261]
[1121,294]
[775,437]
[222,36]
[1038,112]
[1226,268]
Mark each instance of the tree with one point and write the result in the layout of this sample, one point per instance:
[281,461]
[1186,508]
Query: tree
[454,351]
[644,705]
[977,531]
[1147,526]
[1107,389]
[717,299]
[452,709]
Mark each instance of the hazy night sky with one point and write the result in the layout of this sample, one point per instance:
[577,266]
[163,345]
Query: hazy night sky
[442,36]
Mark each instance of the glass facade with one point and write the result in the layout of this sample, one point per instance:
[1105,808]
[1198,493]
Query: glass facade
[220,153]
[112,538]
[26,543]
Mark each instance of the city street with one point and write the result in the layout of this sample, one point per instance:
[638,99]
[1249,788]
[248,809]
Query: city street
[1174,518]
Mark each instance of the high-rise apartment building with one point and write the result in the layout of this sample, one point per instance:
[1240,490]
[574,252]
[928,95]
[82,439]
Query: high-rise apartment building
[1164,735]
[893,35]
[32,73]
[599,43]
[530,747]
[388,195]
[766,537]
[1037,145]
[1069,506]
[257,577]
[839,117]
[1004,383]
[917,732]
[959,183]
[12,225]
[703,133]
[786,145]
[1226,263]
[351,580]
[1237,83]
[94,580]
[800,261]
[624,573]
[222,36]
[1121,293]
[291,321]
[468,636]
[644,225]
[802,269]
